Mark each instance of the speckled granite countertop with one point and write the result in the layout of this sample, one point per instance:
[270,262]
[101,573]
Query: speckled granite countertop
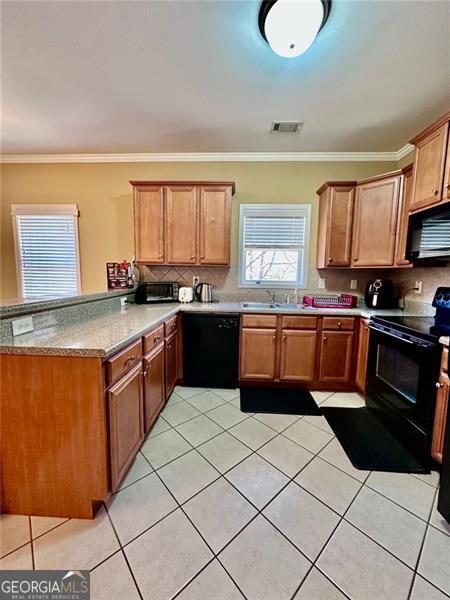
[16,306]
[104,335]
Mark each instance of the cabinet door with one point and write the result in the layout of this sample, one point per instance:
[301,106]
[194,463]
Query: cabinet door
[363,351]
[339,226]
[298,355]
[258,352]
[336,356]
[215,225]
[126,422]
[403,219]
[181,225]
[149,224]
[376,210]
[446,190]
[154,382]
[429,166]
[440,418]
[171,362]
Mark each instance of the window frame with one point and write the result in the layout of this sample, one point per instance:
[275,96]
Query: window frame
[306,209]
[42,209]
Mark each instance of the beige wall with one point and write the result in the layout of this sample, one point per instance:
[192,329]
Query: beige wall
[104,197]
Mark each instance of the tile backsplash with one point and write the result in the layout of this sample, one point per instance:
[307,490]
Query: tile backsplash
[224,281]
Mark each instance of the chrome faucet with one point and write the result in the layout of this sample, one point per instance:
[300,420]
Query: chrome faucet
[272,295]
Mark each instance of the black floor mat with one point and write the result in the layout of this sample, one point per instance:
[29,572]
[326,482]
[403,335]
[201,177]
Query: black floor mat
[367,442]
[286,401]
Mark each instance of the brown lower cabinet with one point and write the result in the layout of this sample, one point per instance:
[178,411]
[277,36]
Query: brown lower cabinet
[298,355]
[74,424]
[363,353]
[126,422]
[440,415]
[171,362]
[258,353]
[154,385]
[296,349]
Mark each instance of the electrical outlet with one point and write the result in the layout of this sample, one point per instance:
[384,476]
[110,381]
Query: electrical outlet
[24,325]
[353,284]
[321,284]
[123,302]
[195,280]
[418,285]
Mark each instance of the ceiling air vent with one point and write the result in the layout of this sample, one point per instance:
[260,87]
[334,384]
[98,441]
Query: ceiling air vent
[286,126]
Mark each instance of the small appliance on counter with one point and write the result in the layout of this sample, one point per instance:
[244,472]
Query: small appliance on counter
[342,301]
[157,291]
[380,293]
[203,292]
[186,294]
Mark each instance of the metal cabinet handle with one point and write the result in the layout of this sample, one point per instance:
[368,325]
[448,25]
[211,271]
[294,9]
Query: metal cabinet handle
[435,192]
[325,337]
[274,337]
[330,260]
[202,256]
[284,337]
[355,258]
[192,256]
[439,385]
[130,359]
[339,324]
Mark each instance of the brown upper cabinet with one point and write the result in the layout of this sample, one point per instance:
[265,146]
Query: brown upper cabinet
[431,166]
[364,224]
[375,221]
[182,223]
[335,224]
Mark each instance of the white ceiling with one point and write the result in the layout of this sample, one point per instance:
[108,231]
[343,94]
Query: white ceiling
[196,76]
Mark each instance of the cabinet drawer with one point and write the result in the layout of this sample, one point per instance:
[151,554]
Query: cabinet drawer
[259,320]
[152,339]
[289,322]
[338,323]
[170,326]
[123,361]
[444,363]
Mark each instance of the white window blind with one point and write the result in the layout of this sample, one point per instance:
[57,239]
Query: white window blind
[274,244]
[46,238]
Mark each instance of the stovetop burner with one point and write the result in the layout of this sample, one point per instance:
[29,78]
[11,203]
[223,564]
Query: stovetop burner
[428,328]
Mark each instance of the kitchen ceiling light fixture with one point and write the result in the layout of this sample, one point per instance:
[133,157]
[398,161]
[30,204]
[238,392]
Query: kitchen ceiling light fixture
[291,26]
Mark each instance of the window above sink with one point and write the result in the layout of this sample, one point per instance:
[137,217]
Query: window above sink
[273,245]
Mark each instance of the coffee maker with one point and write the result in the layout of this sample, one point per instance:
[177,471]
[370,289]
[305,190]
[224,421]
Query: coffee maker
[379,293]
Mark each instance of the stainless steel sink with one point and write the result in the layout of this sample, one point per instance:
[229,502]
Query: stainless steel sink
[278,305]
[259,305]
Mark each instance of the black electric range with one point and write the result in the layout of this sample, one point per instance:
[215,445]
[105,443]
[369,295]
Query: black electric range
[403,368]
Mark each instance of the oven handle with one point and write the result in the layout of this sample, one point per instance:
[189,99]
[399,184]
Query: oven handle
[402,339]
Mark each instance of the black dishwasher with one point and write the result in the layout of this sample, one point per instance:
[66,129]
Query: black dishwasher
[211,350]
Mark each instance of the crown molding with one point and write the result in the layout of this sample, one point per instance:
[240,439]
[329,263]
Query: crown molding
[407,149]
[209,157]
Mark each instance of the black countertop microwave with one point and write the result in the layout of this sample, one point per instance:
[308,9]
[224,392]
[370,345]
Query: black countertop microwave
[429,234]
[157,291]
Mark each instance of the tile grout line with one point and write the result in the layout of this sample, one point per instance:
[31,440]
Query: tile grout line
[180,506]
[123,554]
[33,564]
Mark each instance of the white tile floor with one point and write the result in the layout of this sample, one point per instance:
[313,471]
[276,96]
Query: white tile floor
[221,505]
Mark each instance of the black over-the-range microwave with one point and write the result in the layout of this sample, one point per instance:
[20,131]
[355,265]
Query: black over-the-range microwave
[429,234]
[157,291]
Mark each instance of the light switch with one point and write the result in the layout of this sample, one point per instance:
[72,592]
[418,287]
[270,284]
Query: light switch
[353,284]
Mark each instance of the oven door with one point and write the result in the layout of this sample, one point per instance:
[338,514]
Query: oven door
[401,379]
